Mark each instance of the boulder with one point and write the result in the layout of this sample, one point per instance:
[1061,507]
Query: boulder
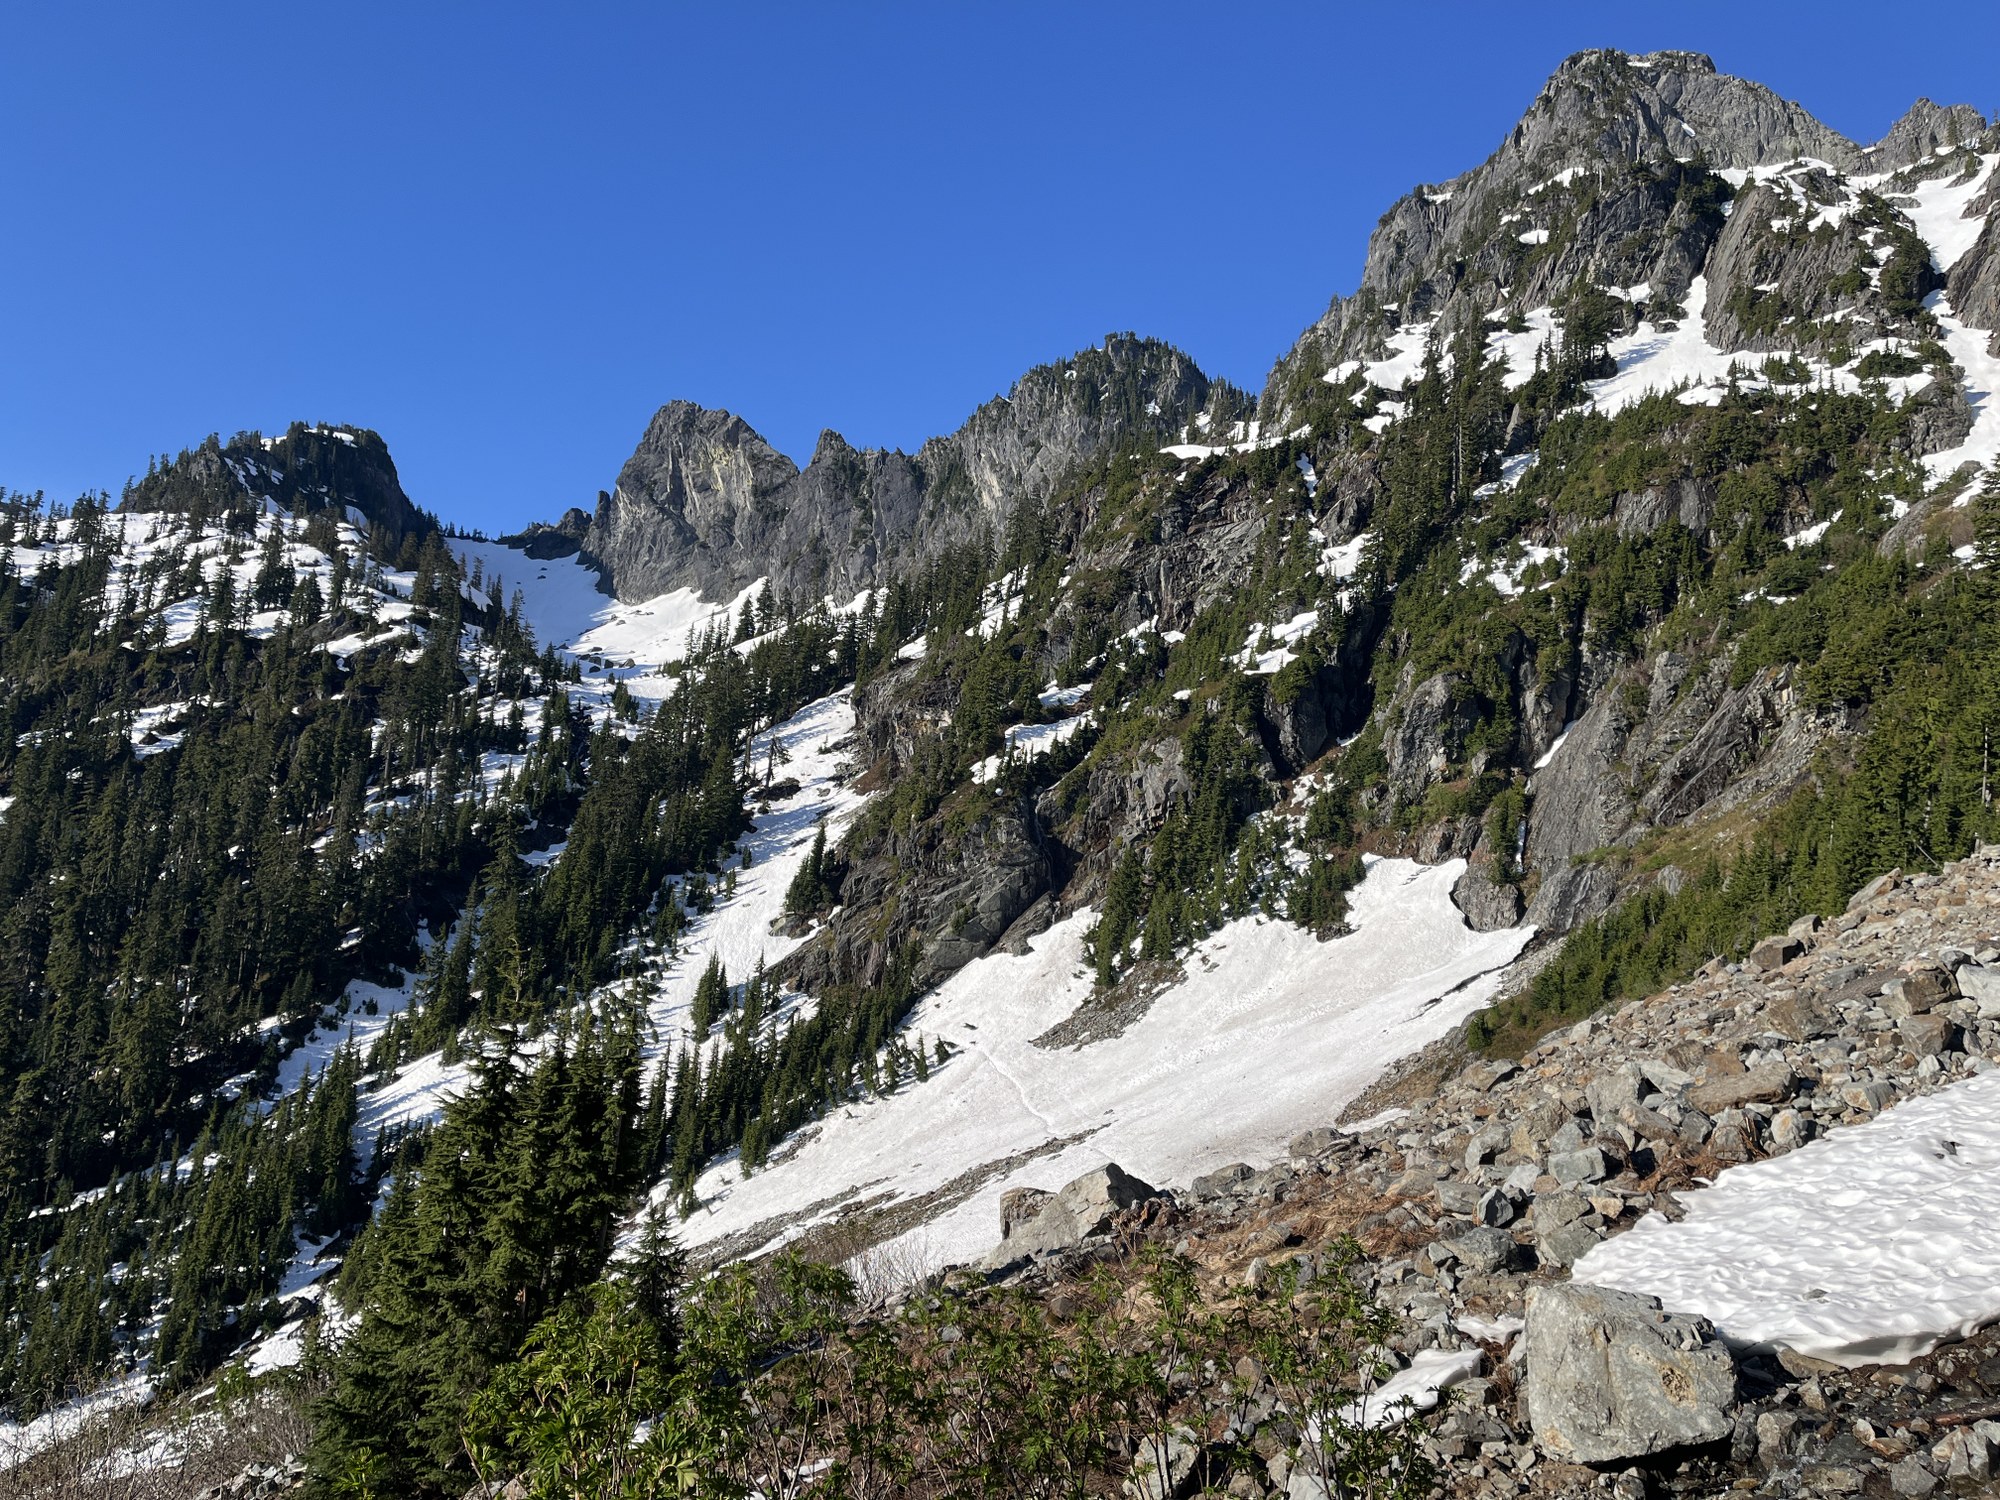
[1770,1083]
[1981,985]
[1585,1165]
[1609,1376]
[1019,1206]
[1874,888]
[1919,992]
[1222,1180]
[1093,1199]
[1799,1018]
[1928,1035]
[1776,952]
[1084,1207]
[1456,1196]
[1911,1478]
[1489,904]
[1165,1466]
[1564,1244]
[1484,1249]
[1315,1142]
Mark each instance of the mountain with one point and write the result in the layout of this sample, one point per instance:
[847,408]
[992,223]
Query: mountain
[1605,178]
[1548,729]
[305,470]
[706,503]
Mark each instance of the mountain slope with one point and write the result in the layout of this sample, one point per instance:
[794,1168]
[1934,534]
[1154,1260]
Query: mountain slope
[397,916]
[1605,178]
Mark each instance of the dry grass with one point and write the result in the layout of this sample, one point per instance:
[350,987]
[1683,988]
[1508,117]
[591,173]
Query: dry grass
[169,1451]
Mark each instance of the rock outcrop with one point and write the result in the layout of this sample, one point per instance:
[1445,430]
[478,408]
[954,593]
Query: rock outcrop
[1609,176]
[1033,1224]
[706,503]
[305,469]
[1501,1174]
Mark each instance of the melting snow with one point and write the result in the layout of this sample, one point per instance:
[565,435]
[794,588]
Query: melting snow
[1415,1389]
[1872,1245]
[1555,745]
[1256,663]
[1519,349]
[1270,1031]
[1343,560]
[1968,348]
[1506,576]
[562,603]
[1937,209]
[21,1441]
[1809,536]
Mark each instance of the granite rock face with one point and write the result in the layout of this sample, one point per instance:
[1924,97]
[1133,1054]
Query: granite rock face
[1612,175]
[706,503]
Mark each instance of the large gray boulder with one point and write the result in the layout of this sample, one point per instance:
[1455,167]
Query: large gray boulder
[1981,985]
[1084,1207]
[1611,1377]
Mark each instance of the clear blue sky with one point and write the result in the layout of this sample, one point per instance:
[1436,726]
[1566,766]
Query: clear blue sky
[502,235]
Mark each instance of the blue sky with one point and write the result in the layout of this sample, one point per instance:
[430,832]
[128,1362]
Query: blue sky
[503,235]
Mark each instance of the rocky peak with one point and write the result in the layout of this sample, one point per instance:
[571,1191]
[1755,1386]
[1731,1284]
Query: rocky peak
[706,503]
[1024,443]
[699,468]
[1925,130]
[304,469]
[1608,177]
[1612,105]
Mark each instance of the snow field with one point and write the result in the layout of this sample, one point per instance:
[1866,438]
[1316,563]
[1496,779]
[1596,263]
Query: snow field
[1028,741]
[565,606]
[1874,1244]
[1505,576]
[21,1441]
[1244,437]
[738,932]
[1652,359]
[1269,1032]
[1284,637]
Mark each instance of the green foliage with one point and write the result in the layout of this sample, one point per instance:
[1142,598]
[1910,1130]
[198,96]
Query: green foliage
[765,1381]
[1323,1343]
[504,1214]
[812,888]
[1318,896]
[566,1416]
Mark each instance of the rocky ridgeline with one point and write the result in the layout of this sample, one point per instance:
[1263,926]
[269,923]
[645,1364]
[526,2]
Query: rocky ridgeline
[1474,1202]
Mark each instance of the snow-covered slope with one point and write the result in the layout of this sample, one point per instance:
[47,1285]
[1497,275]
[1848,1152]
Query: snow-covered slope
[1271,1031]
[1874,1245]
[563,604]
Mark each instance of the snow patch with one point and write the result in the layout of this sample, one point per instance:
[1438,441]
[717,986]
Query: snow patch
[1872,1245]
